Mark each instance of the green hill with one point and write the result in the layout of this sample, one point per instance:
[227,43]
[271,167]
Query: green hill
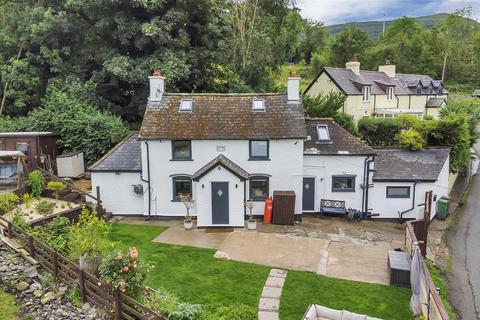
[374,28]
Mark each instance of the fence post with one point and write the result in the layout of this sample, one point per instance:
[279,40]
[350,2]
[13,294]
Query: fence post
[118,305]
[31,248]
[55,264]
[99,202]
[9,229]
[82,286]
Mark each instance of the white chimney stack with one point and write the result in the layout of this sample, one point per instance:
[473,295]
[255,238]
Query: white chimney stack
[157,86]
[353,65]
[293,87]
[388,68]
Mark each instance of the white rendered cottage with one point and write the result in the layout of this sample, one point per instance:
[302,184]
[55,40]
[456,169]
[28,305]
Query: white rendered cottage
[224,149]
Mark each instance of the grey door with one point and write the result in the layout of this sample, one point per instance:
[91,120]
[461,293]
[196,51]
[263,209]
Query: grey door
[308,199]
[220,202]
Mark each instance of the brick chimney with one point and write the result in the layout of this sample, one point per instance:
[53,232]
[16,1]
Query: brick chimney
[293,87]
[157,86]
[353,65]
[388,68]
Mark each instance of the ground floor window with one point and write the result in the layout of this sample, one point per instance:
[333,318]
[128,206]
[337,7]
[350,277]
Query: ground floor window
[181,185]
[343,183]
[398,192]
[258,188]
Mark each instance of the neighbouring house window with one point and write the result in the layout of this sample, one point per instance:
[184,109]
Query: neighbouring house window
[366,93]
[258,188]
[322,133]
[419,90]
[259,150]
[343,183]
[182,150]
[22,146]
[440,90]
[181,185]
[390,93]
[398,192]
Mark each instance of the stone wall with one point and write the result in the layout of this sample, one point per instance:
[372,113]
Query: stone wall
[39,301]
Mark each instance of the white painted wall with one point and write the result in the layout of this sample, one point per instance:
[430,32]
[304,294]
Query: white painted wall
[116,191]
[204,197]
[322,168]
[285,168]
[389,207]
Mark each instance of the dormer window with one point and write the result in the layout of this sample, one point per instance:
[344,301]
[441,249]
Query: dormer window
[185,105]
[390,93]
[440,89]
[419,89]
[322,133]
[366,93]
[258,105]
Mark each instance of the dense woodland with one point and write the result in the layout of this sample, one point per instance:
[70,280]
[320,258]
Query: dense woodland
[91,58]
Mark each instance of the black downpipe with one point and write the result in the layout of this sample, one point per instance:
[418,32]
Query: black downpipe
[148,181]
[413,202]
[368,181]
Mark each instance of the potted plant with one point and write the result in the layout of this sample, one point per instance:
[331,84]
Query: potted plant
[251,223]
[89,240]
[188,203]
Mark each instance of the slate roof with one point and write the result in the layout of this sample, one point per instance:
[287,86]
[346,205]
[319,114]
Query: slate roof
[405,84]
[392,164]
[341,141]
[224,162]
[223,116]
[434,102]
[125,156]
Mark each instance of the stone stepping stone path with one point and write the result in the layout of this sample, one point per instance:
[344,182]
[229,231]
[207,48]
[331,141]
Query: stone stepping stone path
[270,298]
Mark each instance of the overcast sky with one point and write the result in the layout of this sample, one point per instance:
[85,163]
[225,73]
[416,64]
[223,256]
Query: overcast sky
[339,11]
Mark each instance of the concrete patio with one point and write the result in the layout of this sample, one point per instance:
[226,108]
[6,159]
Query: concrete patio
[347,250]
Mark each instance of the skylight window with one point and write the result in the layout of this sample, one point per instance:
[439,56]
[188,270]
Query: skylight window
[322,133]
[258,105]
[185,105]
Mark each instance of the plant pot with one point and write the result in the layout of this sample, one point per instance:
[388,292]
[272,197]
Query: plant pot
[188,224]
[90,264]
[251,224]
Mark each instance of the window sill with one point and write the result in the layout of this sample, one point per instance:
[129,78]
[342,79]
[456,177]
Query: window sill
[175,200]
[343,190]
[259,159]
[390,197]
[181,159]
[258,199]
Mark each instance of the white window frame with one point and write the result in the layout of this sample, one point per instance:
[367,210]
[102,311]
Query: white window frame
[366,92]
[390,93]
[323,126]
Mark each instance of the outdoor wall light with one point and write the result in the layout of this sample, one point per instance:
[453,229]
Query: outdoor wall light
[236,185]
[203,186]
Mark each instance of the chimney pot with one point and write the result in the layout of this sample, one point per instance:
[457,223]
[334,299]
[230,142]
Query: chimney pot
[157,73]
[293,74]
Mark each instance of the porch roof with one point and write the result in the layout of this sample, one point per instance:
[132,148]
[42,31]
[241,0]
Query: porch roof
[224,162]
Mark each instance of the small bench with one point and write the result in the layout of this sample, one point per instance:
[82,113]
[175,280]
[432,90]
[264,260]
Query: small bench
[333,207]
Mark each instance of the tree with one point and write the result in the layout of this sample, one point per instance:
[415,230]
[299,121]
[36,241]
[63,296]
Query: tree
[324,105]
[410,139]
[351,42]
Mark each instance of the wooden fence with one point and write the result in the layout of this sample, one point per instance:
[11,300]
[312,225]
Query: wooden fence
[432,305]
[92,289]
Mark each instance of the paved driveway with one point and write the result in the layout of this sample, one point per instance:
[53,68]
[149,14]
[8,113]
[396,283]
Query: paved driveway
[354,251]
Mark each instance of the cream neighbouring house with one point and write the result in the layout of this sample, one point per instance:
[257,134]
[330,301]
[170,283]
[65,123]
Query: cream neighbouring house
[224,149]
[382,93]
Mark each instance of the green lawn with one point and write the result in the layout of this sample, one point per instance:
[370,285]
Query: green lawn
[8,307]
[196,277]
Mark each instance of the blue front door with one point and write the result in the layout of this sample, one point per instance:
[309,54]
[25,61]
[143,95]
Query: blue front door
[220,214]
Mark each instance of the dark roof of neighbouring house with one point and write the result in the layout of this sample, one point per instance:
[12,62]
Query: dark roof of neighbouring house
[341,141]
[405,84]
[224,116]
[224,162]
[434,102]
[125,156]
[392,164]
[476,93]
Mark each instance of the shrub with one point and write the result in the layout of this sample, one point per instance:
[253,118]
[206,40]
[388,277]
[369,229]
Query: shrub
[469,107]
[89,236]
[379,131]
[410,139]
[168,304]
[36,182]
[20,221]
[28,199]
[47,281]
[408,121]
[45,207]
[346,122]
[55,186]
[235,312]
[125,272]
[55,234]
[326,105]
[8,201]
[74,297]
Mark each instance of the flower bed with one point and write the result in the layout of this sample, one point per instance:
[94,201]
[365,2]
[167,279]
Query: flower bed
[40,208]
